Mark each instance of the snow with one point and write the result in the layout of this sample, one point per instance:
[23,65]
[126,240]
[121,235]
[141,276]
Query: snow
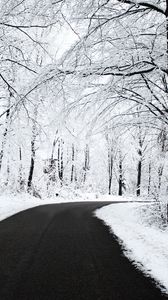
[115,198]
[144,243]
[11,204]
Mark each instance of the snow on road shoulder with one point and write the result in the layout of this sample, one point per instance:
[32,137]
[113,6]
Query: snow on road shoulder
[12,204]
[144,245]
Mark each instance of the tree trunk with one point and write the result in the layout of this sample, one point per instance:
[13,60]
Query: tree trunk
[149,179]
[139,175]
[4,138]
[73,164]
[110,168]
[21,182]
[60,161]
[52,163]
[166,13]
[31,171]
[86,164]
[33,154]
[120,177]
[8,172]
[53,148]
[160,173]
[110,184]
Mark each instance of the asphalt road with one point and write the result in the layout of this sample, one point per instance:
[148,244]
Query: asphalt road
[61,252]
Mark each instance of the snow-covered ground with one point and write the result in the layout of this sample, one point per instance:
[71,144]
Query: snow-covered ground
[142,235]
[11,204]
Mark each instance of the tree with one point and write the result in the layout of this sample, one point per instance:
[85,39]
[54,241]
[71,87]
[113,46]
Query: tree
[33,152]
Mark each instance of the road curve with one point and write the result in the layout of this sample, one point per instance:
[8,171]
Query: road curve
[61,252]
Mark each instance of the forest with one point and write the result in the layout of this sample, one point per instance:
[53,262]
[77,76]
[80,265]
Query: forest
[83,97]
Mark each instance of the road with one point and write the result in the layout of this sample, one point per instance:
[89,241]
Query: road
[62,252]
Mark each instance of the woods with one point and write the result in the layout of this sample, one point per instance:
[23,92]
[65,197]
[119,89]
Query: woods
[83,88]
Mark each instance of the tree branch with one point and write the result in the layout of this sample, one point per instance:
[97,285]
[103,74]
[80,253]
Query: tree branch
[144,4]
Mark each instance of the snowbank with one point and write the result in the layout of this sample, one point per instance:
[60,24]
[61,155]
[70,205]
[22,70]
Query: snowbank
[146,246]
[11,204]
